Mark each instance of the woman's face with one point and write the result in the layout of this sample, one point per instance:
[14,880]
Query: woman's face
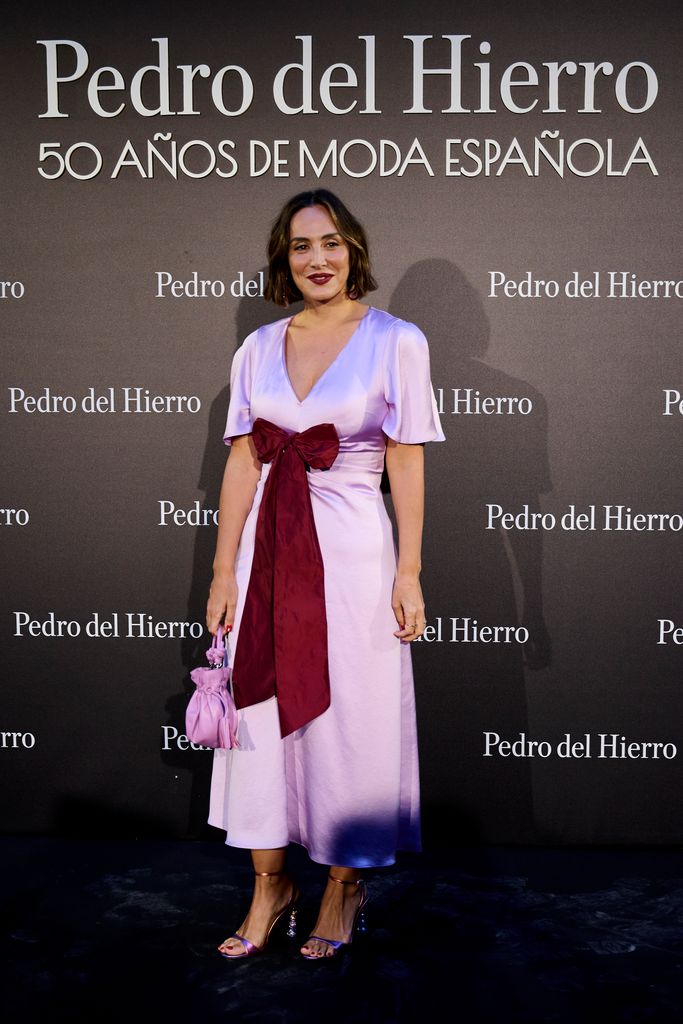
[318,255]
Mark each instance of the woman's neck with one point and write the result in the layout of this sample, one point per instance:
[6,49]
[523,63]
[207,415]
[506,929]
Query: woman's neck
[329,314]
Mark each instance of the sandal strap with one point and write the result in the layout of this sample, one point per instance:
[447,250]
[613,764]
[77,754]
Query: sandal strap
[347,881]
[335,943]
[249,946]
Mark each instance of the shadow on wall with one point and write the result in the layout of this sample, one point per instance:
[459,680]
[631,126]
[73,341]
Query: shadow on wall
[465,689]
[251,313]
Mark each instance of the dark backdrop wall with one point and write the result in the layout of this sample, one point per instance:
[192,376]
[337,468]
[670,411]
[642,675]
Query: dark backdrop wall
[523,210]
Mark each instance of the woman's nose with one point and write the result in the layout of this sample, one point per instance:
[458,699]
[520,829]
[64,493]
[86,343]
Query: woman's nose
[318,257]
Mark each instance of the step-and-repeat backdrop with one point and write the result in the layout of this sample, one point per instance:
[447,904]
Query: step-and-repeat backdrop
[517,168]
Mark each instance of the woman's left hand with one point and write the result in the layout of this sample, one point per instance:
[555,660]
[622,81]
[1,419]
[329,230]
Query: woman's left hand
[409,608]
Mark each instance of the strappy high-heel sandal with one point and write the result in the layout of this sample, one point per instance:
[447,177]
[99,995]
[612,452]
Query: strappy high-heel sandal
[358,924]
[250,948]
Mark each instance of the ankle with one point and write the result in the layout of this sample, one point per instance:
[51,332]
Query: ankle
[343,890]
[271,877]
[274,882]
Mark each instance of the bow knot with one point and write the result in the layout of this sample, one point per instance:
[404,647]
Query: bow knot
[318,445]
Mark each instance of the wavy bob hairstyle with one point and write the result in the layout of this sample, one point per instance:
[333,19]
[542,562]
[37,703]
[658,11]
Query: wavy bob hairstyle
[280,287]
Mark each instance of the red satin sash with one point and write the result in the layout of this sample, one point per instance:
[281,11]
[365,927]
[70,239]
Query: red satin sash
[282,640]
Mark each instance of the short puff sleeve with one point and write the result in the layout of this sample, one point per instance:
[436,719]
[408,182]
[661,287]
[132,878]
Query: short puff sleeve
[412,416]
[239,420]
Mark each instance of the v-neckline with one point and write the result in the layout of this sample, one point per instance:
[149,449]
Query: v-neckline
[283,354]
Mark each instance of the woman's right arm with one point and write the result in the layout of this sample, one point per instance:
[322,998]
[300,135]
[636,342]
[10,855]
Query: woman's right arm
[242,473]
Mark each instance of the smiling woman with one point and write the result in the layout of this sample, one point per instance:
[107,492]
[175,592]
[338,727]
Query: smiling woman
[322,605]
[289,248]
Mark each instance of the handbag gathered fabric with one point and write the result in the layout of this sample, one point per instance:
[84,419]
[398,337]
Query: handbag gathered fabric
[211,715]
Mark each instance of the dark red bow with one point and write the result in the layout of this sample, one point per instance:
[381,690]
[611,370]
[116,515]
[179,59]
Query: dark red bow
[282,640]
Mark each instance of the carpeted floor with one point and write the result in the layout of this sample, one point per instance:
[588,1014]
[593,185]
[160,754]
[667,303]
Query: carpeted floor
[126,931]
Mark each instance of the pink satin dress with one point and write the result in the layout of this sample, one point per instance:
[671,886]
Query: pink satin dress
[345,785]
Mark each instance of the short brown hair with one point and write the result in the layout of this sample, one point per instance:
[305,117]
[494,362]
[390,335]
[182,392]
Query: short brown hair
[279,287]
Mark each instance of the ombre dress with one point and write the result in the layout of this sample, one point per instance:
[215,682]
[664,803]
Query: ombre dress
[345,785]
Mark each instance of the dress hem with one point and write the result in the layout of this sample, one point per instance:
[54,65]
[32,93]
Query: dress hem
[358,862]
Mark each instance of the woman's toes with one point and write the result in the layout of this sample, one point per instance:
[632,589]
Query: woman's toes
[230,948]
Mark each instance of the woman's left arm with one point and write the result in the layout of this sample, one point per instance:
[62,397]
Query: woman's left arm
[405,469]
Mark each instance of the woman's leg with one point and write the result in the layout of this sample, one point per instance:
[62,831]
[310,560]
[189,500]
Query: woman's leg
[337,911]
[271,894]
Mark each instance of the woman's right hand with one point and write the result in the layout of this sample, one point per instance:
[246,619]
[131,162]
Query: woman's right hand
[222,601]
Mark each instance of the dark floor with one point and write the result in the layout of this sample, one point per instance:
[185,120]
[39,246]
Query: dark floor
[126,930]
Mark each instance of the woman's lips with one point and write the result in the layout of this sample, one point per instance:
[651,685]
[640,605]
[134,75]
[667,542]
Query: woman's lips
[320,278]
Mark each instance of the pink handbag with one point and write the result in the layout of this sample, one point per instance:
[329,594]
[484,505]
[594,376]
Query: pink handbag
[211,715]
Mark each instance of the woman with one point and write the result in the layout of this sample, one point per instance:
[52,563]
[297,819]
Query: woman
[307,573]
